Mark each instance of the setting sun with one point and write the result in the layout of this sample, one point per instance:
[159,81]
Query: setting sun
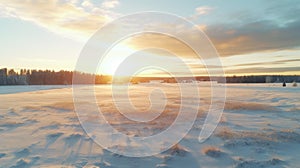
[112,60]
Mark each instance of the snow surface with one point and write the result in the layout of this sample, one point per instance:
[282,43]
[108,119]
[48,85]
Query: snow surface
[260,127]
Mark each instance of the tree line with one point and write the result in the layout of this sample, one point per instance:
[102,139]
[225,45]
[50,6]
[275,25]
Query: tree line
[47,77]
[263,79]
[50,77]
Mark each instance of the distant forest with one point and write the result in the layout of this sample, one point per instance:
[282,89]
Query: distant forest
[48,77]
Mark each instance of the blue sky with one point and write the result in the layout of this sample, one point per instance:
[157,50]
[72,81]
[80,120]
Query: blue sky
[252,37]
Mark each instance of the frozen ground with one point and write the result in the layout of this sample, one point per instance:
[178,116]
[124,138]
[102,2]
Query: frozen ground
[28,88]
[260,127]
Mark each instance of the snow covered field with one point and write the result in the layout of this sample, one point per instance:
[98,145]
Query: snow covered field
[260,127]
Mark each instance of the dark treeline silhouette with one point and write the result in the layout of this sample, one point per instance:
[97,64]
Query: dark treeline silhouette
[229,79]
[48,77]
[263,79]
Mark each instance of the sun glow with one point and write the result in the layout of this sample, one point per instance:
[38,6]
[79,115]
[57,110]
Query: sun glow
[113,59]
[119,57]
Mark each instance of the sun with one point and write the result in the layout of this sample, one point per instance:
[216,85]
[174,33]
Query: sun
[123,60]
[118,57]
[113,60]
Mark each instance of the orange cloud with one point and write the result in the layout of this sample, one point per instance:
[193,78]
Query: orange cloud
[59,16]
[230,40]
[152,40]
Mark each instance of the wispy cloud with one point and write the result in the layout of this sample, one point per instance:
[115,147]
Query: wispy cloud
[86,17]
[259,36]
[203,10]
[153,40]
[87,4]
[59,16]
[230,39]
[239,38]
[265,70]
[279,62]
[200,11]
[109,4]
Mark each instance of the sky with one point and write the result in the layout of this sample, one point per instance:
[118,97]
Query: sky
[252,37]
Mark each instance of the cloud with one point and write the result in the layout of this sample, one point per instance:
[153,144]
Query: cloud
[246,66]
[59,16]
[200,11]
[259,36]
[230,39]
[279,62]
[203,10]
[87,4]
[261,70]
[154,40]
[109,4]
[241,36]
